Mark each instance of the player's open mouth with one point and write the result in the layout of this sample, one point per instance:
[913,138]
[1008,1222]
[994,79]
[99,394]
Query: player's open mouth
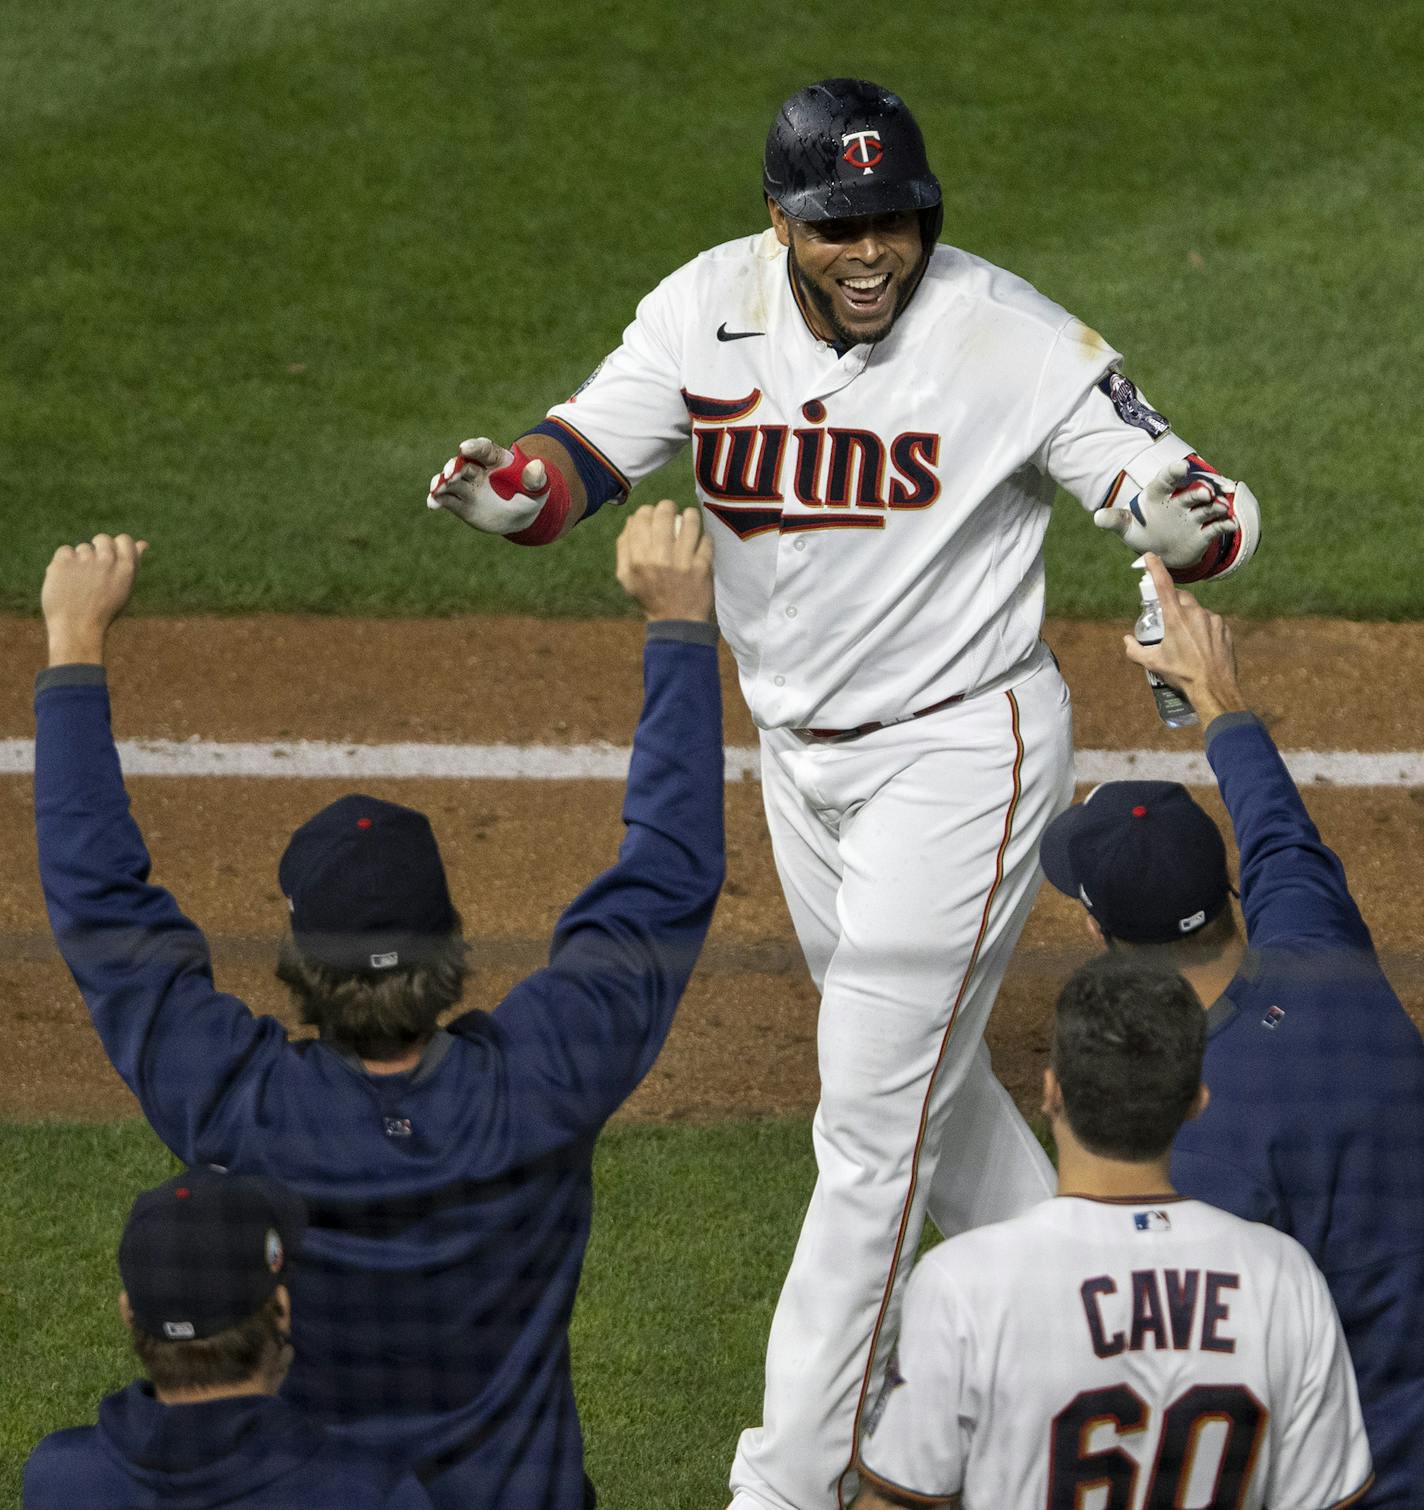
[865,295]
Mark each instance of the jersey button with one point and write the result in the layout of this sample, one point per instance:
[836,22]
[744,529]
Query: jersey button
[800,545]
[779,680]
[790,613]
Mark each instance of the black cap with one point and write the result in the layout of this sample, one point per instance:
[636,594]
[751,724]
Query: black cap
[1147,862]
[365,885]
[844,148]
[205,1249]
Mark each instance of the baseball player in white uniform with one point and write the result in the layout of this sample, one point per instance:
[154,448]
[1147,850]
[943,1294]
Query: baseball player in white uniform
[1119,1348]
[879,424]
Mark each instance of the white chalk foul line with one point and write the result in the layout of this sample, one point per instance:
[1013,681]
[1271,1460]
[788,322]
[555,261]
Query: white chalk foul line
[1343,768]
[606,762]
[307,758]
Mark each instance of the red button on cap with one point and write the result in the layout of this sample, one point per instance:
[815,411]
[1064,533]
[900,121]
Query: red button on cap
[1139,811]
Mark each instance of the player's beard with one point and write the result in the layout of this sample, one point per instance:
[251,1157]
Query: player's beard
[824,303]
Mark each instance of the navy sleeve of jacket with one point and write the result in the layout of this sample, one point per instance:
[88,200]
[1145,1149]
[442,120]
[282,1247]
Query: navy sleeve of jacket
[1292,885]
[582,1032]
[142,966]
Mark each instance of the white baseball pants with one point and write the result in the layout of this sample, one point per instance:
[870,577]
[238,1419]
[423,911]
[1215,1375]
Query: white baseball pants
[909,859]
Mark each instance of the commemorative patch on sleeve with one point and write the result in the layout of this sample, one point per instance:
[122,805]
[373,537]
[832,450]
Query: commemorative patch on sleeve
[1132,408]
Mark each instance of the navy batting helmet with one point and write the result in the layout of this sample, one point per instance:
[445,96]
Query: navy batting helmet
[846,147]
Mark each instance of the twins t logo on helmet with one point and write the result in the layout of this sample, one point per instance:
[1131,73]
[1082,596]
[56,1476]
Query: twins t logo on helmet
[862,150]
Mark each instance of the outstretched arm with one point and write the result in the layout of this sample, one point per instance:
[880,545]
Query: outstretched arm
[1292,885]
[583,1032]
[143,967]
[1140,480]
[624,421]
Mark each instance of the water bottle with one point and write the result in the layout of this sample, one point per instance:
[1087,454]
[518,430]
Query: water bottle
[1172,708]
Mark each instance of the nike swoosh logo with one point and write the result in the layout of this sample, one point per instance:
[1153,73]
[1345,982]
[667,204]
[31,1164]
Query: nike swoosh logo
[723,334]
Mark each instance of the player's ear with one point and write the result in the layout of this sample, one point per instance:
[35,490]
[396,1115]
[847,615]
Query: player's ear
[125,1309]
[1095,930]
[778,221]
[1052,1096]
[1199,1102]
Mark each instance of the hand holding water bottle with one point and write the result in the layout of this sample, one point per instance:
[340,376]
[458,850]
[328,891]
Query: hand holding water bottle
[1186,647]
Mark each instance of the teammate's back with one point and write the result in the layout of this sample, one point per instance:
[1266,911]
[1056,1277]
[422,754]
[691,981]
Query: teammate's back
[1119,1347]
[1170,1352]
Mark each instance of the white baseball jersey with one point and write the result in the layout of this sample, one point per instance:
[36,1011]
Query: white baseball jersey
[1101,1355]
[882,511]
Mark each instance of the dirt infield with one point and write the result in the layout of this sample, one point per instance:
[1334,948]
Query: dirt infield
[744,1042]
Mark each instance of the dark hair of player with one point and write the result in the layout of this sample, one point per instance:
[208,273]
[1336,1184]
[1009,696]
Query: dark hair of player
[253,1346]
[1127,1050]
[377,1014]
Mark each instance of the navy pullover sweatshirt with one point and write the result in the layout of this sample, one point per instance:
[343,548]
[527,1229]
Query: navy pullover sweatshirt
[1316,1119]
[449,1205]
[253,1452]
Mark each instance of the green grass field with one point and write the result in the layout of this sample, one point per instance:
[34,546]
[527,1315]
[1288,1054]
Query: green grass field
[265,264]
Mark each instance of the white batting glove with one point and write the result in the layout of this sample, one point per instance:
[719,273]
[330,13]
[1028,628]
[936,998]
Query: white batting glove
[490,488]
[1177,515]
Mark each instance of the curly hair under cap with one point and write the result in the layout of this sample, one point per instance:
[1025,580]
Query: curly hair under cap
[377,1014]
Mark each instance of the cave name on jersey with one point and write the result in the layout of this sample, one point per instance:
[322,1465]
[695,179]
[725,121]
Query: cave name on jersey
[746,472]
[1169,1308]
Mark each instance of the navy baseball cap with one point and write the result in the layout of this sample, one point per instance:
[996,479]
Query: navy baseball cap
[1147,862]
[204,1250]
[366,886]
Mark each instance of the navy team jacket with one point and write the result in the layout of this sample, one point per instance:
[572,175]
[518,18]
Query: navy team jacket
[449,1205]
[252,1452]
[1316,1120]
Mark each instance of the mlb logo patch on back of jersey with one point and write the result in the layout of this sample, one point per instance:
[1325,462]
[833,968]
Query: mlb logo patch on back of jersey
[1151,1221]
